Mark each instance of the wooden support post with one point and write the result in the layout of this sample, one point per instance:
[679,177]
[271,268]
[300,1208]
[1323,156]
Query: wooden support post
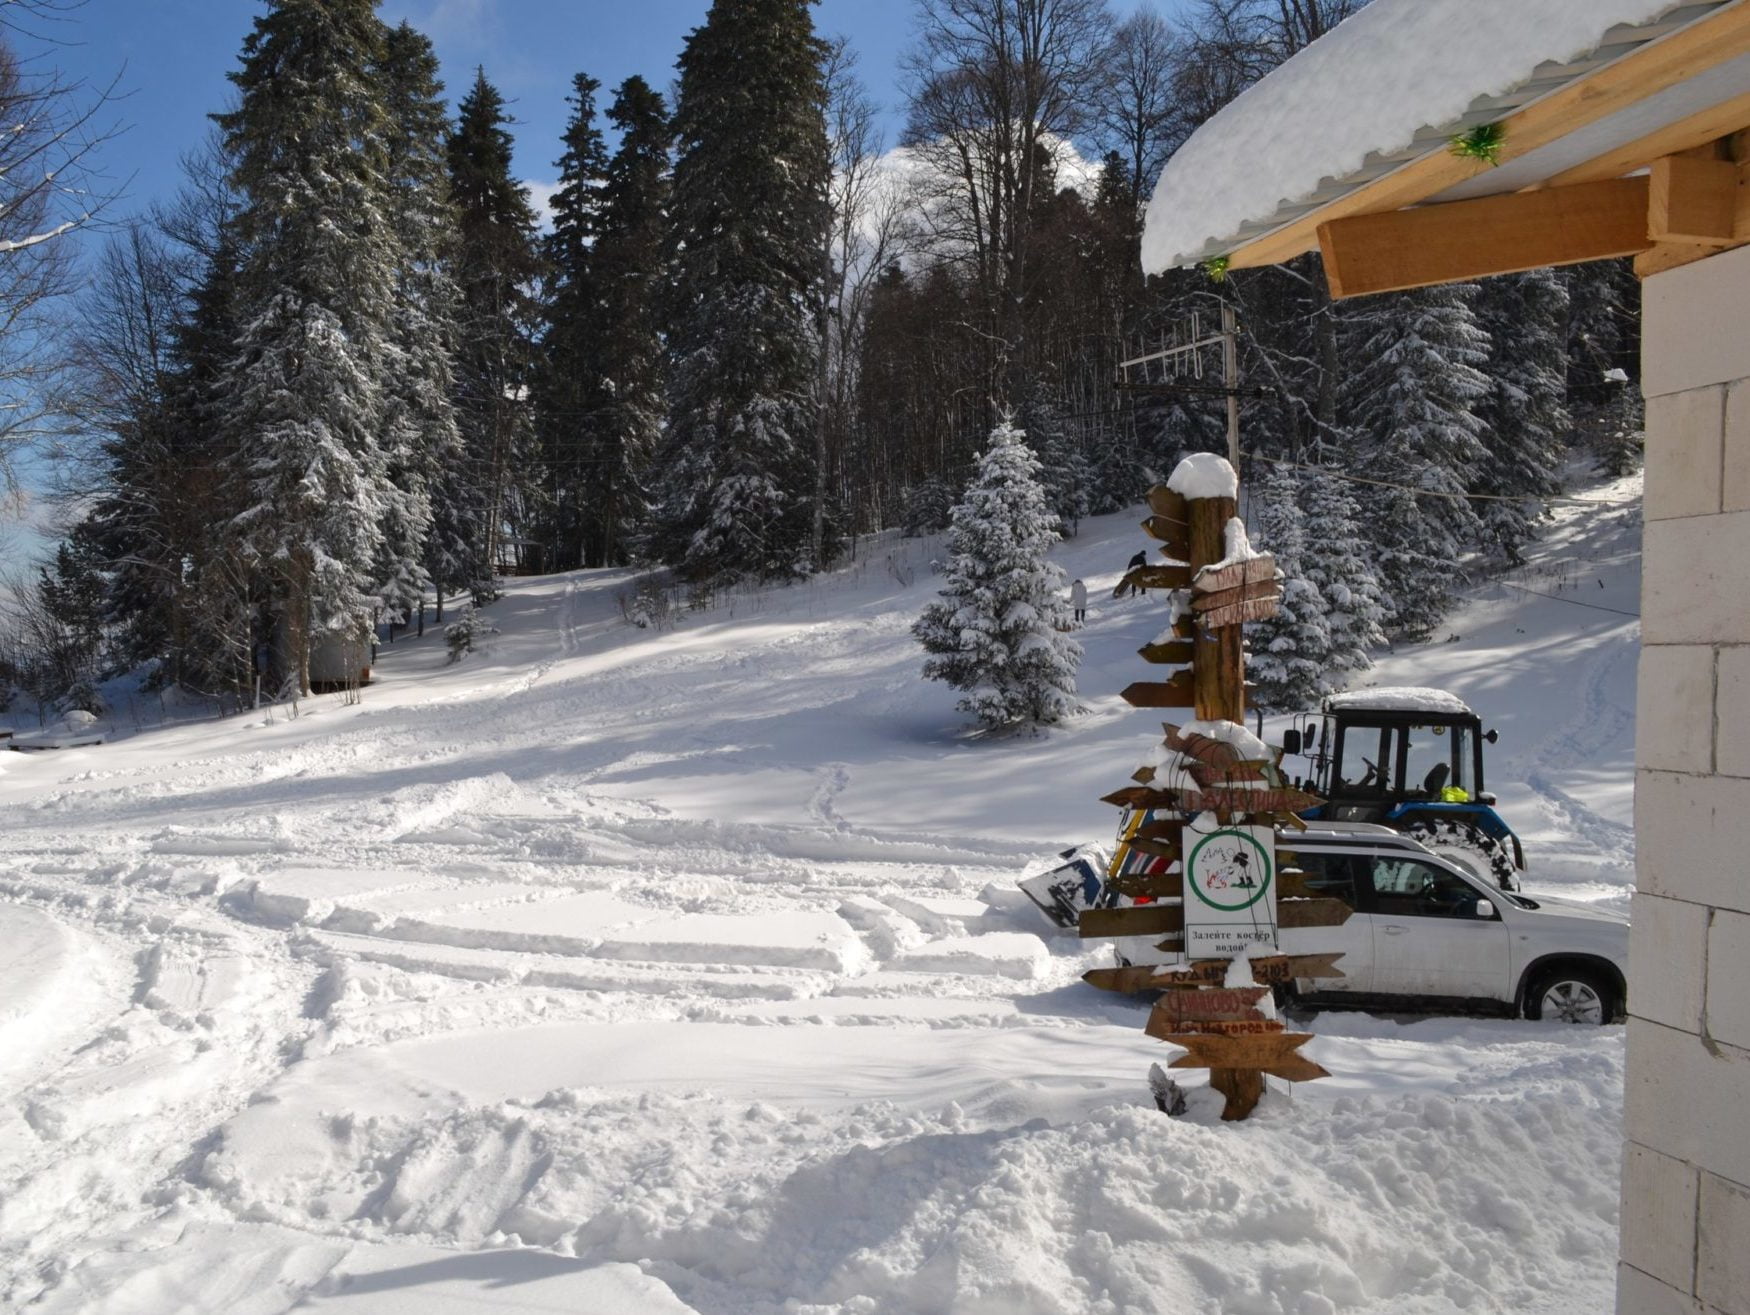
[1220,667]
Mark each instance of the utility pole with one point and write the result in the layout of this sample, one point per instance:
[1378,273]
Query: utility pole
[1230,378]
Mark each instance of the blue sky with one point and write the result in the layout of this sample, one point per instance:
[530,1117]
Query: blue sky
[172,57]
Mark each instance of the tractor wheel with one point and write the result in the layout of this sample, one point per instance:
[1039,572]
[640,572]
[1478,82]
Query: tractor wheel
[1471,848]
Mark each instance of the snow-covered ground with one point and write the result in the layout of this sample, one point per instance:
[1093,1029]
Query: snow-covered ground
[613,971]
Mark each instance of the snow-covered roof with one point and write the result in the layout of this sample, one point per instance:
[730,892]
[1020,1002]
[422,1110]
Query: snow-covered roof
[1392,85]
[1400,698]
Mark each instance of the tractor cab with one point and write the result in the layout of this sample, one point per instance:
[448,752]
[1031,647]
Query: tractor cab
[1411,759]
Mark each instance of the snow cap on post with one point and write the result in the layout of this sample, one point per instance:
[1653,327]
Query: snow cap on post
[1204,475]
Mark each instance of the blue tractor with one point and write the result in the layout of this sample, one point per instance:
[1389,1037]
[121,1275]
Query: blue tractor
[1410,759]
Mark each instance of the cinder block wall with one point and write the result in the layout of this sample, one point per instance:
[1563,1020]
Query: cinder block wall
[1686,1169]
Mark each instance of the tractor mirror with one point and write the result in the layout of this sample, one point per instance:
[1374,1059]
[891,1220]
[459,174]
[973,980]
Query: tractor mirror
[1492,736]
[1485,909]
[1291,742]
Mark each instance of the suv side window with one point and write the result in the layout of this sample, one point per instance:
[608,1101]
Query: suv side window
[1410,887]
[1328,875]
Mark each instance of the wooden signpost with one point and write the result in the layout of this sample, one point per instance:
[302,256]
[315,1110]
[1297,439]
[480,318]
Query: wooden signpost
[1198,845]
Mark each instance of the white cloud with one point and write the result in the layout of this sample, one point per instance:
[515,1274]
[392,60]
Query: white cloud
[541,198]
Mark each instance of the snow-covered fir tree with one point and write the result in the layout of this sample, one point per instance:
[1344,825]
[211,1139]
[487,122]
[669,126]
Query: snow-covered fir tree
[751,220]
[420,437]
[1523,413]
[629,263]
[304,395]
[1337,560]
[1291,651]
[496,266]
[1414,397]
[570,387]
[997,631]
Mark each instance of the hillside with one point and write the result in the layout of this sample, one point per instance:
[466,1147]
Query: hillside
[617,970]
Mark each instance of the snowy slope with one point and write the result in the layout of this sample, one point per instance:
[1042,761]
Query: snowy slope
[620,971]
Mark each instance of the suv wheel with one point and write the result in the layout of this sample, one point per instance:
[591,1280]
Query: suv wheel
[1571,995]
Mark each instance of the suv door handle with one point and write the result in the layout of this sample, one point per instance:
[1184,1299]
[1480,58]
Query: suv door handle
[1391,929]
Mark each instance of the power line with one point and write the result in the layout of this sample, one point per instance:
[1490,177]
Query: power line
[1596,607]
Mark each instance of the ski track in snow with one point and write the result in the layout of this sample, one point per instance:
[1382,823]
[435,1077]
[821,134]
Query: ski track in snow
[625,971]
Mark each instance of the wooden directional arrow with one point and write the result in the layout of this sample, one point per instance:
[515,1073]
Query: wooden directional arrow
[1174,693]
[1258,609]
[1140,796]
[1270,971]
[1163,828]
[1274,1055]
[1217,1004]
[1140,920]
[1292,913]
[1150,885]
[1213,579]
[1245,593]
[1174,536]
[1168,654]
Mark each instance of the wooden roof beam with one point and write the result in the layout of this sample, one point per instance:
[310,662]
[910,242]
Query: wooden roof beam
[1643,72]
[1463,240]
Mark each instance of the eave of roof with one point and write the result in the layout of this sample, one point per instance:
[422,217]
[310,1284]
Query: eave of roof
[1646,90]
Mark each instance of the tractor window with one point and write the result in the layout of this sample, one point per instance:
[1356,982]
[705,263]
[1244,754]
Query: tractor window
[1438,758]
[1366,761]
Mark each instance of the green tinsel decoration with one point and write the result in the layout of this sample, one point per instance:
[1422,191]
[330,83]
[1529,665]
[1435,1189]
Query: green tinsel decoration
[1216,268]
[1483,142]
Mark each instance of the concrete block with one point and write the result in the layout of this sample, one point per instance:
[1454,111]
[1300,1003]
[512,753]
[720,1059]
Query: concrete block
[1658,1216]
[1692,835]
[1728,983]
[1666,974]
[1693,322]
[1722,1271]
[1674,714]
[1735,490]
[1693,578]
[1685,445]
[1642,1294]
[1687,1100]
[1732,712]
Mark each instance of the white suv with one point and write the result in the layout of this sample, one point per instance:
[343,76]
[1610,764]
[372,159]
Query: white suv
[1427,932]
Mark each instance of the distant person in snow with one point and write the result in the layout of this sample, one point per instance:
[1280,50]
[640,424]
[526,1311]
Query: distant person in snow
[1078,599]
[1140,560]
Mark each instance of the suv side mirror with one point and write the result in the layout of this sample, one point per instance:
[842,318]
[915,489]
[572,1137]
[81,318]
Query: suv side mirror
[1291,742]
[1485,910]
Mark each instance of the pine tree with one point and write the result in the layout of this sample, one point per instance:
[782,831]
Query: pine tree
[1414,398]
[629,262]
[751,218]
[1338,562]
[497,263]
[1067,476]
[421,440]
[1291,651]
[304,397]
[571,387]
[1525,421]
[997,630]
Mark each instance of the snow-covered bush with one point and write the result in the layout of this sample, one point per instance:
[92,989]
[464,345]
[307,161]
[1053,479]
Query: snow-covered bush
[465,634]
[997,630]
[648,603]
